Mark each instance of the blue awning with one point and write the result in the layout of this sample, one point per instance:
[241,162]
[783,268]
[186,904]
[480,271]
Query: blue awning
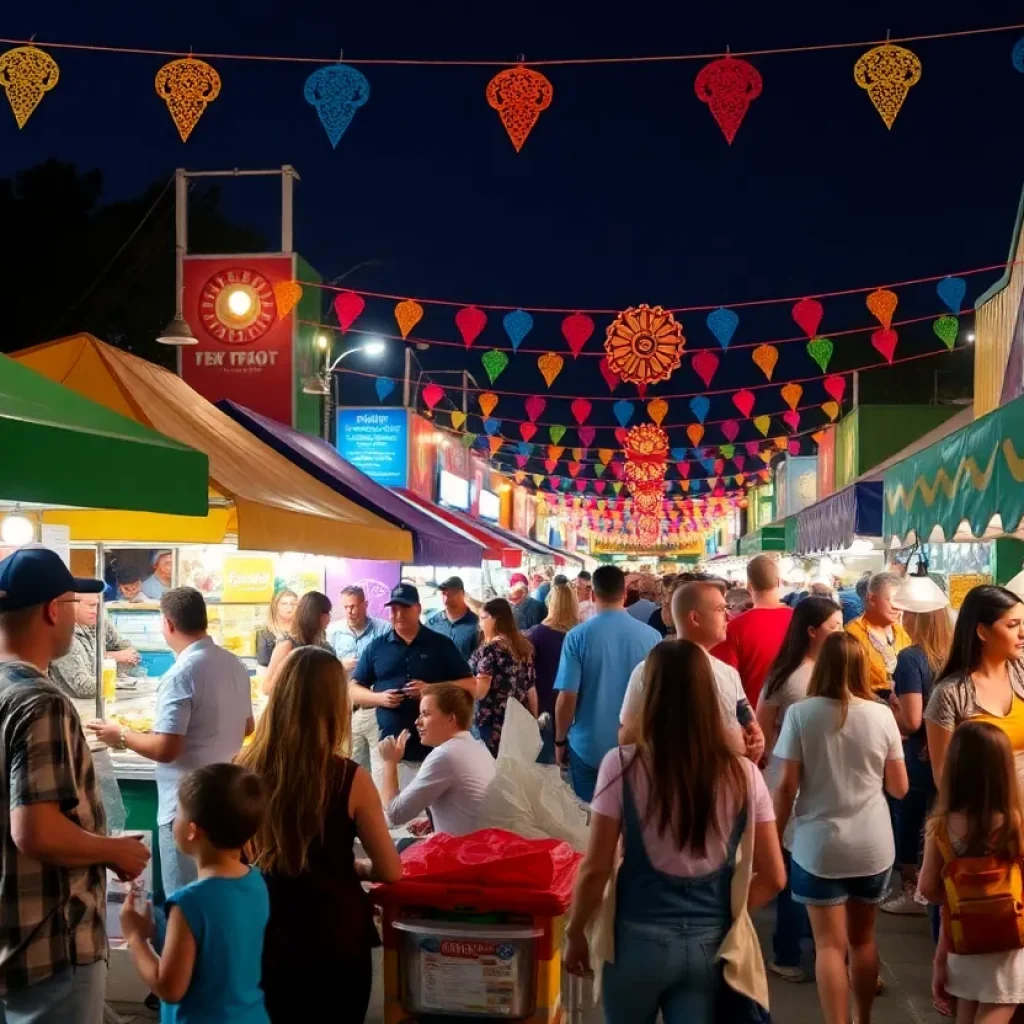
[832,523]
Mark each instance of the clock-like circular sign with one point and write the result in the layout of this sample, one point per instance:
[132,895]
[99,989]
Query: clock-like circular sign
[237,306]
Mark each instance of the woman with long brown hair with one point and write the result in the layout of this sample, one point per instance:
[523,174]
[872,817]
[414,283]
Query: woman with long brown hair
[504,668]
[681,799]
[321,931]
[280,616]
[308,629]
[841,750]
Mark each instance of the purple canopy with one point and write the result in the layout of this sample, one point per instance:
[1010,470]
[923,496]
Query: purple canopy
[434,542]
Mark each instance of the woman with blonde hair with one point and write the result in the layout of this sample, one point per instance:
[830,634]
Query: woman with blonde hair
[321,931]
[504,668]
[308,629]
[547,639]
[279,620]
[681,800]
[841,750]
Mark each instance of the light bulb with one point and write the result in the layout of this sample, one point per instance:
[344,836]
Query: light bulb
[239,302]
[16,530]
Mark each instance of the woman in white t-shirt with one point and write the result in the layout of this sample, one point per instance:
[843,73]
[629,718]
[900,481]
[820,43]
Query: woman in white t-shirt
[814,620]
[680,799]
[840,748]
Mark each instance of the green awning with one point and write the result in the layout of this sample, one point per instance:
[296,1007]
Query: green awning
[57,448]
[768,538]
[969,478]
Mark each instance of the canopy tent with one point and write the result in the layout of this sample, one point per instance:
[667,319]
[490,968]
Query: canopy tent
[434,542]
[968,486]
[59,449]
[257,497]
[833,523]
[496,548]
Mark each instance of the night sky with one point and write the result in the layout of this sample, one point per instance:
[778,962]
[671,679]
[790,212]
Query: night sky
[626,191]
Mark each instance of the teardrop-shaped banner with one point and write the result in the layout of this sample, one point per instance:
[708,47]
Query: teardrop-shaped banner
[458,419]
[495,444]
[765,357]
[384,386]
[580,410]
[487,401]
[556,432]
[947,328]
[550,366]
[831,410]
[835,385]
[792,419]
[518,325]
[432,394]
[470,321]
[791,395]
[744,401]
[587,435]
[286,297]
[527,430]
[347,308]
[722,323]
[730,429]
[623,411]
[695,432]
[705,363]
[763,424]
[657,409]
[577,329]
[611,378]
[808,313]
[605,455]
[408,313]
[881,304]
[952,291]
[885,342]
[534,406]
[555,451]
[467,440]
[494,361]
[700,406]
[820,350]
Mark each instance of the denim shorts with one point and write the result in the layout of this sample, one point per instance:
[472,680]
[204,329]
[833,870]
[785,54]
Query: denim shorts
[814,891]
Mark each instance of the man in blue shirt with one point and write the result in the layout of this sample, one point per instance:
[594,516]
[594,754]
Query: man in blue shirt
[350,636]
[593,672]
[396,670]
[456,620]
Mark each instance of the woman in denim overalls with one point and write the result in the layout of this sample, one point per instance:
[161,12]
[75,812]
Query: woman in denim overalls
[680,800]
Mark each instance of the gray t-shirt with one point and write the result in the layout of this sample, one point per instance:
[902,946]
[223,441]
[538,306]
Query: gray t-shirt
[842,819]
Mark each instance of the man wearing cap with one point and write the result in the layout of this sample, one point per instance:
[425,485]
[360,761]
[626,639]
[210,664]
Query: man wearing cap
[350,636]
[456,620]
[156,585]
[527,611]
[396,669]
[53,849]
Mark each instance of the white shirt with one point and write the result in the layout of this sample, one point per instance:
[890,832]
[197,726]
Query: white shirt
[452,782]
[842,819]
[587,610]
[205,698]
[727,679]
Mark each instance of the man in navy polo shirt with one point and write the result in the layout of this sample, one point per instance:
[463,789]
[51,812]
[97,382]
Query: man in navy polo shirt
[456,620]
[396,670]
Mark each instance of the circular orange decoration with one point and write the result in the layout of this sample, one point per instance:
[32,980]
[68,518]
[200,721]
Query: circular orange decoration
[644,344]
[237,306]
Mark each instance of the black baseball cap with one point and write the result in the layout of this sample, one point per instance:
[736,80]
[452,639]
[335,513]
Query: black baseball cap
[37,575]
[405,594]
[452,583]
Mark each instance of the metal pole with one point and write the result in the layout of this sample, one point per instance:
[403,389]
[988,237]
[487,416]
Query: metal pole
[180,245]
[465,388]
[287,196]
[101,633]
[407,385]
[856,388]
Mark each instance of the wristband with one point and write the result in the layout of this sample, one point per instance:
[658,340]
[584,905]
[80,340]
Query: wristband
[122,739]
[562,743]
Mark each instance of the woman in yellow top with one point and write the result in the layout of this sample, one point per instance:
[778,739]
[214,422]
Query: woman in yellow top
[879,631]
[983,680]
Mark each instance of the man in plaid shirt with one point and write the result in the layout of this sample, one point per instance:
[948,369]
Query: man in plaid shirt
[53,847]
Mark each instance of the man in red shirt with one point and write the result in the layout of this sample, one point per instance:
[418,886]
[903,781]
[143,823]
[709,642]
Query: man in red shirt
[753,639]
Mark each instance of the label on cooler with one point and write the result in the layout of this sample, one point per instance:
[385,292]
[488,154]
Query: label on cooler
[468,976]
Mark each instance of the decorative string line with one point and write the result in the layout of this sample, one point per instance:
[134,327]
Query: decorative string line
[554,62]
[600,352]
[690,394]
[674,309]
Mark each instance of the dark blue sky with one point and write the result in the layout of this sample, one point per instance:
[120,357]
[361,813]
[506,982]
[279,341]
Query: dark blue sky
[625,192]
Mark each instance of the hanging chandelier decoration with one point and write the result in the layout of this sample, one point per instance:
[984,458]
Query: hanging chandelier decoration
[647,452]
[644,345]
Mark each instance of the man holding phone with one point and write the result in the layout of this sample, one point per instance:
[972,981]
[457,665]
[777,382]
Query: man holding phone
[396,670]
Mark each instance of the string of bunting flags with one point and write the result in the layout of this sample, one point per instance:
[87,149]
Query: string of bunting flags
[519,94]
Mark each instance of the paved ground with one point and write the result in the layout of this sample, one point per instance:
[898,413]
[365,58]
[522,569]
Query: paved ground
[906,952]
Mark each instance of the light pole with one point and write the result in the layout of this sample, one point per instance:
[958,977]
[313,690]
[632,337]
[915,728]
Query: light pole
[322,385]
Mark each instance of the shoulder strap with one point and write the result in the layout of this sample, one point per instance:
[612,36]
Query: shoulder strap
[942,844]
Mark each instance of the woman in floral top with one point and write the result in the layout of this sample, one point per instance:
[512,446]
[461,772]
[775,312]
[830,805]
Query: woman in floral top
[503,666]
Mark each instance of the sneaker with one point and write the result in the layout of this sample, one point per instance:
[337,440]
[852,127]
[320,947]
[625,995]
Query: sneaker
[904,902]
[791,974]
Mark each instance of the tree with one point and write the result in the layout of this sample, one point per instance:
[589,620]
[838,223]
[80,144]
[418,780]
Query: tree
[72,263]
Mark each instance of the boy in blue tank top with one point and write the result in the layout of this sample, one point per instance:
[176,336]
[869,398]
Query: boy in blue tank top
[211,941]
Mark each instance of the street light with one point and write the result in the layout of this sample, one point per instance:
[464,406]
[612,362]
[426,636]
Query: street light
[321,384]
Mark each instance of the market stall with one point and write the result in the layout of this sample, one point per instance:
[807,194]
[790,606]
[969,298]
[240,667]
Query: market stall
[961,502]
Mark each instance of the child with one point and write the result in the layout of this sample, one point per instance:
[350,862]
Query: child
[973,855]
[209,968]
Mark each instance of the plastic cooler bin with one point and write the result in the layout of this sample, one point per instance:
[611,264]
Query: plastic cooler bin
[474,929]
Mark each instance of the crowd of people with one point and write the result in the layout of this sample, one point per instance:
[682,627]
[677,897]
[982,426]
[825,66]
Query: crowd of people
[732,753]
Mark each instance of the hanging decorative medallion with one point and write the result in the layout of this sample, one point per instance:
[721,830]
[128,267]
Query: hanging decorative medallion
[336,92]
[26,74]
[887,73]
[644,345]
[728,86]
[188,86]
[519,95]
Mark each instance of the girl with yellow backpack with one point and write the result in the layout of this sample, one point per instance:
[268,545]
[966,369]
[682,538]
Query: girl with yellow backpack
[972,868]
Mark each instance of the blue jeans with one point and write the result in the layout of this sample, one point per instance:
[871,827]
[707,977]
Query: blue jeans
[816,891]
[666,967]
[176,868]
[583,776]
[792,923]
[74,995]
[914,808]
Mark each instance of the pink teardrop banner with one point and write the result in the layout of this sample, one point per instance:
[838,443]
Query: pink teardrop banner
[808,313]
[576,330]
[347,307]
[611,378]
[730,429]
[744,401]
[432,394]
[470,321]
[527,430]
[587,435]
[705,363]
[580,410]
[835,385]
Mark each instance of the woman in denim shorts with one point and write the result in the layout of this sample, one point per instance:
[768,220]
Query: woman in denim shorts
[842,750]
